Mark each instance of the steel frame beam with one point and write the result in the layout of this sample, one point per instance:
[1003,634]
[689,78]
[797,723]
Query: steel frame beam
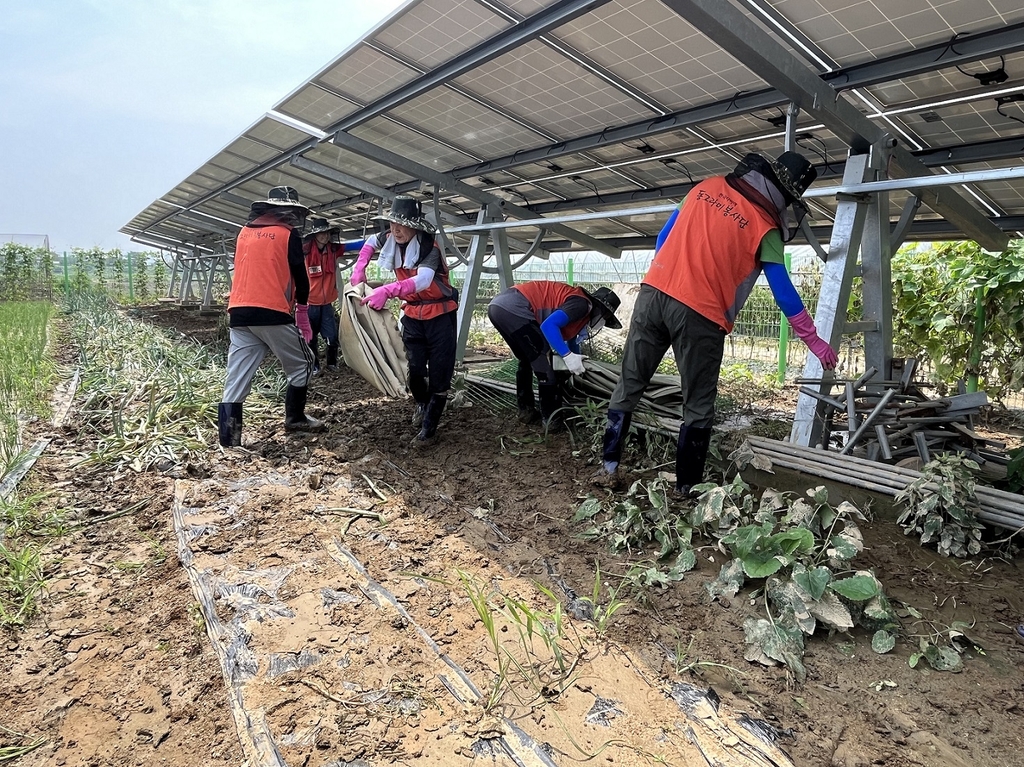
[969,48]
[445,181]
[760,53]
[379,192]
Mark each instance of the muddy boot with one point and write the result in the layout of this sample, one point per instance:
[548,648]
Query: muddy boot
[610,475]
[421,397]
[524,394]
[229,423]
[431,418]
[551,403]
[332,358]
[691,455]
[295,418]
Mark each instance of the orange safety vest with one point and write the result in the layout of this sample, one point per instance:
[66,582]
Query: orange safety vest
[321,267]
[262,277]
[546,297]
[709,261]
[437,298]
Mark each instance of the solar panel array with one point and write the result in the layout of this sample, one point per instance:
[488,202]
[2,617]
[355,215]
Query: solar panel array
[574,106]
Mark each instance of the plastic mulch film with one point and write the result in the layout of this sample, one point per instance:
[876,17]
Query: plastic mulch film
[228,640]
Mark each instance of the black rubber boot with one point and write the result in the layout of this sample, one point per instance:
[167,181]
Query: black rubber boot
[431,418]
[229,423]
[691,456]
[615,433]
[295,418]
[551,403]
[420,391]
[525,401]
[332,358]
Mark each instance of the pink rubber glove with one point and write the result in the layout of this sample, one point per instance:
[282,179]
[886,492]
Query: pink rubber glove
[359,270]
[803,326]
[379,296]
[302,322]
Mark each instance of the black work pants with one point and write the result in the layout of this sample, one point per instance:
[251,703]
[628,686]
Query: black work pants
[430,348]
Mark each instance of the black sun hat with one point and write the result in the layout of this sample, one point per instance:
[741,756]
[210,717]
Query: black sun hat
[317,225]
[791,172]
[279,197]
[407,211]
[608,302]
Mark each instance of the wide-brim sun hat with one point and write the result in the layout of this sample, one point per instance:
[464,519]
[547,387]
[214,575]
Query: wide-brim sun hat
[280,197]
[791,172]
[608,301]
[407,211]
[317,225]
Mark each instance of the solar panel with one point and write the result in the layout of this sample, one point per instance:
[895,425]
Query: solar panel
[611,104]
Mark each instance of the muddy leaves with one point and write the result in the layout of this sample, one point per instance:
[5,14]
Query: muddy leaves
[940,506]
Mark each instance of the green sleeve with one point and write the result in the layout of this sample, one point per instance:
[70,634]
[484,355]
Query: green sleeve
[772,249]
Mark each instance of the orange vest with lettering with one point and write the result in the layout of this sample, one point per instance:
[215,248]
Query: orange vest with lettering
[321,267]
[262,277]
[436,299]
[709,261]
[546,297]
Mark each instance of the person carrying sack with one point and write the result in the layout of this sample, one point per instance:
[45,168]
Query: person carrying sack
[429,306]
[539,318]
[269,280]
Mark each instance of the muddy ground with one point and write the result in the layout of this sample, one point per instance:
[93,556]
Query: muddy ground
[342,570]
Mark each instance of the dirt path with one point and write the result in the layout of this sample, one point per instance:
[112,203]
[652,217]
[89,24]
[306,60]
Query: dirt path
[121,670]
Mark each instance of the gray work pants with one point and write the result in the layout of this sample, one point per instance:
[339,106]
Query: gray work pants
[249,344]
[660,321]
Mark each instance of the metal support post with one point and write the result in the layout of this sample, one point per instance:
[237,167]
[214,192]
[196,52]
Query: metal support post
[476,257]
[836,284]
[876,275]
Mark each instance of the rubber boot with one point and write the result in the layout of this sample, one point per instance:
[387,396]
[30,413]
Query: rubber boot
[431,418]
[615,433]
[295,418]
[691,456]
[229,423]
[421,397]
[332,357]
[550,403]
[524,394]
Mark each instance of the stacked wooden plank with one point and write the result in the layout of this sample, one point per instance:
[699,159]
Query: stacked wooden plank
[891,421]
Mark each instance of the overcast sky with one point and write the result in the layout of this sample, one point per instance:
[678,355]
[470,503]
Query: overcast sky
[105,105]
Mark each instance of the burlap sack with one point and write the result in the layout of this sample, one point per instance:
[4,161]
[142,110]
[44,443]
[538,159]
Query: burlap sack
[371,343]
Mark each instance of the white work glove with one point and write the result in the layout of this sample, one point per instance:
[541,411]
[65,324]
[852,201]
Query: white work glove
[574,362]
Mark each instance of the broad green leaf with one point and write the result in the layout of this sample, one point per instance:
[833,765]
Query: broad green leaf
[799,540]
[686,561]
[588,509]
[856,588]
[812,581]
[761,564]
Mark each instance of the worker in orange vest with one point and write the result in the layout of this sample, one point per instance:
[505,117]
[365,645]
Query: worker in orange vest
[542,317]
[708,256]
[429,306]
[269,284]
[322,256]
